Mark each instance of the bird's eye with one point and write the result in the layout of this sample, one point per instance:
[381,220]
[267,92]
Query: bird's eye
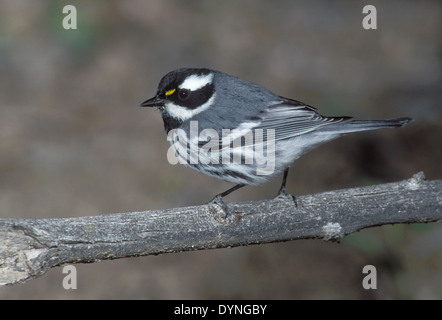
[183,94]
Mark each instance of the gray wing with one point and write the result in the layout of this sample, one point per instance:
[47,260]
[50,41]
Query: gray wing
[291,118]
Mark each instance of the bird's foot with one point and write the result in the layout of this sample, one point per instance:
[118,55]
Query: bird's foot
[282,194]
[218,203]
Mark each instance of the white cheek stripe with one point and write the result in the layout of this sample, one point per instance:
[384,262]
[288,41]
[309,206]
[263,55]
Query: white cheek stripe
[195,82]
[183,114]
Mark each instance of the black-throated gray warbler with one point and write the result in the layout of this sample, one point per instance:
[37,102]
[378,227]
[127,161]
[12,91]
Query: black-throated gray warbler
[240,132]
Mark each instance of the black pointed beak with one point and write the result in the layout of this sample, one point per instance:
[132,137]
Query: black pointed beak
[153,102]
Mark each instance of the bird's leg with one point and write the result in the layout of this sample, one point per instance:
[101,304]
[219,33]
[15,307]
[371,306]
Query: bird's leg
[218,199]
[282,191]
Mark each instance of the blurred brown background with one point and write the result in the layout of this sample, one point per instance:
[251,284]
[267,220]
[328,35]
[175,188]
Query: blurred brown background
[73,141]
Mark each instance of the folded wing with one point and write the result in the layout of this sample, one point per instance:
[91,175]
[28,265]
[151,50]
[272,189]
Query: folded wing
[291,118]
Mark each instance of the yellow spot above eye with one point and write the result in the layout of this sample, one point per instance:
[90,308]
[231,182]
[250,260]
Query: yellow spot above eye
[170,92]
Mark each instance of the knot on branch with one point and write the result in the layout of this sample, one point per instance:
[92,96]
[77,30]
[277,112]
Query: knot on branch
[416,181]
[333,231]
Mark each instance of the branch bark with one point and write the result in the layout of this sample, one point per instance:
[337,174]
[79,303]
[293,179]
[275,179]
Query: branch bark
[30,247]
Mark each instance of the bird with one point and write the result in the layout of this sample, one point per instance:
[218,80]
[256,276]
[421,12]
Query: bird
[238,131]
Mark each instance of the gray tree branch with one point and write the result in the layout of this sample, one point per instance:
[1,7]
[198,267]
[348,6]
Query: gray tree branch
[30,247]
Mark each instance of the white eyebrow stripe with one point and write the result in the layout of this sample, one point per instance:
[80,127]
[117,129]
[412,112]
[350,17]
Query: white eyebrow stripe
[195,82]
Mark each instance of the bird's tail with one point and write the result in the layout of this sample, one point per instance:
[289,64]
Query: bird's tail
[364,125]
